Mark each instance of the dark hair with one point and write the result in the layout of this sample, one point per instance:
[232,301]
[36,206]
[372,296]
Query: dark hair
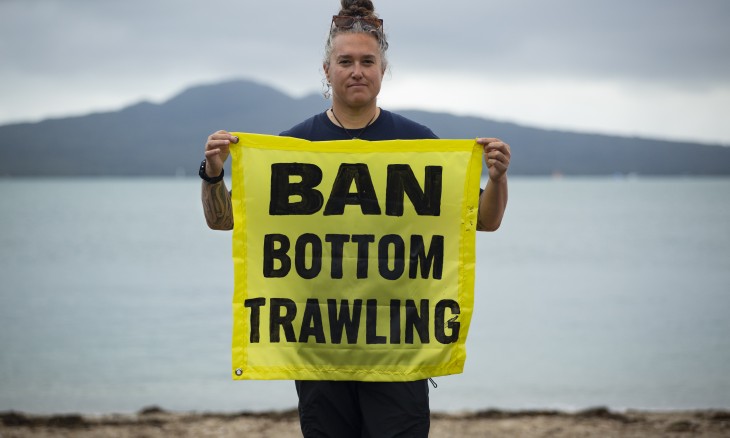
[357,8]
[354,8]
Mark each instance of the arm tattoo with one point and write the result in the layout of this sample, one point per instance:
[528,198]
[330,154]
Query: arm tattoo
[217,206]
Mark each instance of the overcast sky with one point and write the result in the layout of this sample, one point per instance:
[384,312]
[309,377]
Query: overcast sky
[658,68]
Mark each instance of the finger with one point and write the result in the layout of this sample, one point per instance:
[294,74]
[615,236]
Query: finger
[212,152]
[498,145]
[497,151]
[500,165]
[217,144]
[486,140]
[490,143]
[496,168]
[223,135]
[498,155]
[495,161]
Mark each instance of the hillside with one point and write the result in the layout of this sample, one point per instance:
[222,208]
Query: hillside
[168,138]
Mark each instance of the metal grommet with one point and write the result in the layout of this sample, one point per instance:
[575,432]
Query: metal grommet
[239,372]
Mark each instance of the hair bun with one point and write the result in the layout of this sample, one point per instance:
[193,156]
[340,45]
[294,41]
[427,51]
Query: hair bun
[362,8]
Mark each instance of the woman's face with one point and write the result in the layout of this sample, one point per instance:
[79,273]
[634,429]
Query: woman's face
[355,70]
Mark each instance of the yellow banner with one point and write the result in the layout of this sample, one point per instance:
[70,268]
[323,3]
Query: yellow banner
[353,260]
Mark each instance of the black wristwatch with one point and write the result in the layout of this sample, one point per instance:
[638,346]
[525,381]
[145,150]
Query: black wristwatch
[206,178]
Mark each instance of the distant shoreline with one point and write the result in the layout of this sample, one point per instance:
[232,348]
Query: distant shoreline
[154,421]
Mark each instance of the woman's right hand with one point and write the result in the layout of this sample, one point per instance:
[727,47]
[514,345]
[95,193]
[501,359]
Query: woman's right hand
[217,151]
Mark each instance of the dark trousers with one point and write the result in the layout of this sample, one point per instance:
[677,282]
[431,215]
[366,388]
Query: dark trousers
[363,409]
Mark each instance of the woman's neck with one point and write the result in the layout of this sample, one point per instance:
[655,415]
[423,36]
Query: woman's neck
[353,118]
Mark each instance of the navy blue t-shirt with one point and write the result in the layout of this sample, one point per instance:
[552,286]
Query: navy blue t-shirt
[388,126]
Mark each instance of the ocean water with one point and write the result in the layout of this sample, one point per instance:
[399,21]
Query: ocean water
[114,295]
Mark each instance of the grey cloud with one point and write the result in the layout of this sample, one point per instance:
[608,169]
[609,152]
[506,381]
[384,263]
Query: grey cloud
[133,48]
[672,41]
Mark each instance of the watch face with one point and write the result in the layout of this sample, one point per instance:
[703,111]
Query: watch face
[201,171]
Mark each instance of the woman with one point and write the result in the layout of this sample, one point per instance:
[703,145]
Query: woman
[354,65]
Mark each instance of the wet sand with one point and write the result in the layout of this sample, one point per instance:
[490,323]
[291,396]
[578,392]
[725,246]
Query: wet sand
[155,422]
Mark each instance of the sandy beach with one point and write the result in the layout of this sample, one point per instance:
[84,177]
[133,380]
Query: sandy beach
[155,422]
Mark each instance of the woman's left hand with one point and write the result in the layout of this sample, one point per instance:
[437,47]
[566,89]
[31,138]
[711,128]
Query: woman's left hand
[497,156]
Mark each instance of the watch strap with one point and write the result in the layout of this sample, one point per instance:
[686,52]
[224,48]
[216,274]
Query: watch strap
[209,179]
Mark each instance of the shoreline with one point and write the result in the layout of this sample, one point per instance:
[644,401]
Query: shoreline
[593,422]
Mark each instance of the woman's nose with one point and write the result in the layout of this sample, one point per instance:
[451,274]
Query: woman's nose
[357,70]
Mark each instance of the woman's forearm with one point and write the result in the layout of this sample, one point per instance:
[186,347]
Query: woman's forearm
[492,204]
[217,206]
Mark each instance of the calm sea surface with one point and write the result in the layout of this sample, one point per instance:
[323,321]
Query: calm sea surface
[114,295]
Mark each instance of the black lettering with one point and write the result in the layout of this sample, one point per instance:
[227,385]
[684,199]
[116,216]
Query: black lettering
[371,324]
[440,323]
[398,256]
[419,322]
[426,202]
[281,189]
[300,256]
[349,322]
[271,253]
[364,196]
[434,258]
[278,321]
[395,321]
[308,254]
[338,242]
[255,305]
[363,252]
[312,322]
